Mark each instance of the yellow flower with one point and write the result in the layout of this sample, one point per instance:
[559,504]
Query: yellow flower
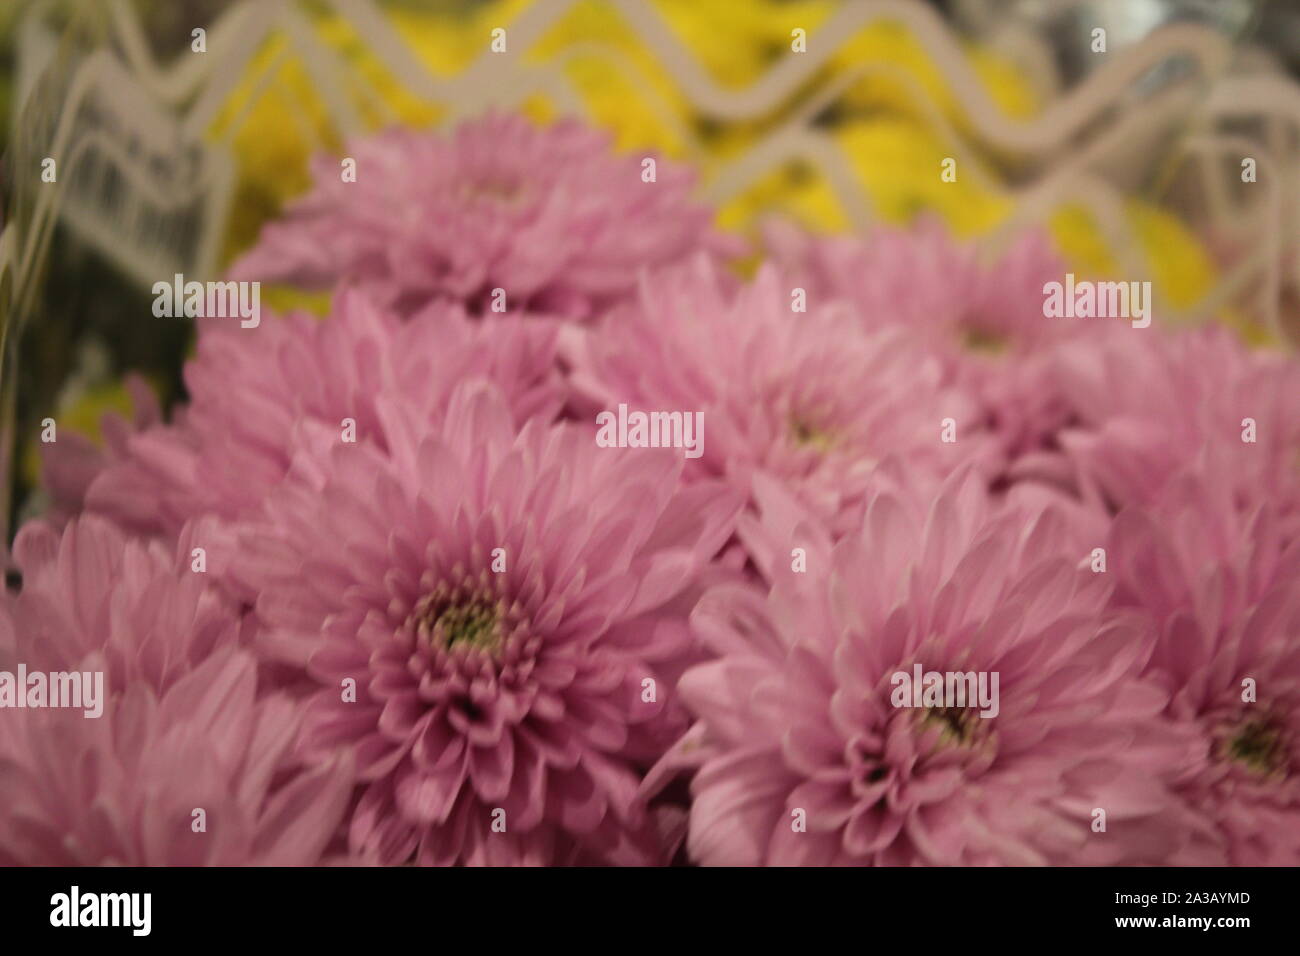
[623,86]
[896,68]
[738,42]
[1180,269]
[882,125]
[274,122]
[896,162]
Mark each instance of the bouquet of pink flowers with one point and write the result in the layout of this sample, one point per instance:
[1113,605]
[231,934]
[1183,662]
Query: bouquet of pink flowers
[562,541]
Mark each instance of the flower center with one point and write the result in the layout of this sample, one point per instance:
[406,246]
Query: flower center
[984,341]
[956,725]
[1257,743]
[454,618]
[807,435]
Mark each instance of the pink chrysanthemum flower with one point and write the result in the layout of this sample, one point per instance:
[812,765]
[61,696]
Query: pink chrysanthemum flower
[804,757]
[810,398]
[547,213]
[181,726]
[1142,408]
[981,316]
[1223,591]
[508,611]
[256,392]
[924,279]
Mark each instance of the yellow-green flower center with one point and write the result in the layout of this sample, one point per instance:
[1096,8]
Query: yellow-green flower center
[956,725]
[1259,745]
[451,620]
[806,435]
[985,341]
